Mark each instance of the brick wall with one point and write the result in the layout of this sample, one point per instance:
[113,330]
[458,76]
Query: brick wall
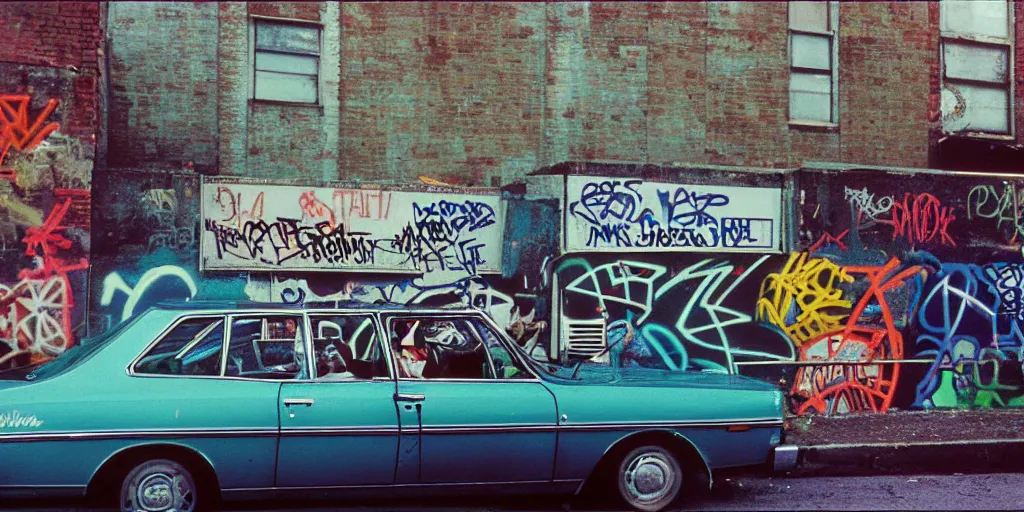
[449,91]
[886,52]
[483,93]
[163,94]
[59,35]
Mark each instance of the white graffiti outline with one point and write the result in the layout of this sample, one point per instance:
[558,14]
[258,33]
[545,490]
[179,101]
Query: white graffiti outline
[114,283]
[711,279]
[621,279]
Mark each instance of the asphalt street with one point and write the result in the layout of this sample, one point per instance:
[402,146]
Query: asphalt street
[1000,491]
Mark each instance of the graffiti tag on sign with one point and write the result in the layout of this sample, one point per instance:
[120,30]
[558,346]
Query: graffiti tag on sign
[632,214]
[306,228]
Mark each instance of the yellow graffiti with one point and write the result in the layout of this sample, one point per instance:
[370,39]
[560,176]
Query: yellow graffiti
[803,300]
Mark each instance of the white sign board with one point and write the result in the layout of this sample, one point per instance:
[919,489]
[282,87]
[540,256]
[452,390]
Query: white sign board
[625,214]
[283,227]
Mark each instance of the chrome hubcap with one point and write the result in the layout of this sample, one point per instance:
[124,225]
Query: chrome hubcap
[161,491]
[649,477]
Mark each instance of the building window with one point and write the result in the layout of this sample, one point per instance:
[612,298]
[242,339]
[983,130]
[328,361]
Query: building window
[976,45]
[812,61]
[286,63]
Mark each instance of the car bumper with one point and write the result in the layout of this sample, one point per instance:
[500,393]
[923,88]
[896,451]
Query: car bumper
[785,457]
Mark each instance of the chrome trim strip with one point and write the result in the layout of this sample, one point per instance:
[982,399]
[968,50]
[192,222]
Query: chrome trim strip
[490,429]
[375,430]
[753,422]
[141,433]
[350,431]
[389,486]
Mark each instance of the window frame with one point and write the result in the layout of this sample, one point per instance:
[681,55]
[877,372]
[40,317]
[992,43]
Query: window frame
[159,338]
[975,41]
[254,20]
[458,316]
[381,343]
[832,11]
[304,332]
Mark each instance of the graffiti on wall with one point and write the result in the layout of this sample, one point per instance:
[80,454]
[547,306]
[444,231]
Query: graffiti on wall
[607,213]
[45,199]
[305,229]
[19,130]
[665,314]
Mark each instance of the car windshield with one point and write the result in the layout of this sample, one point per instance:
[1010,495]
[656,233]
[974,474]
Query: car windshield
[80,352]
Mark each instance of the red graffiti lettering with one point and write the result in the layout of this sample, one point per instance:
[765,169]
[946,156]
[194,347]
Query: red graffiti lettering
[35,313]
[17,131]
[315,208]
[230,205]
[363,204]
[827,238]
[856,387]
[922,219]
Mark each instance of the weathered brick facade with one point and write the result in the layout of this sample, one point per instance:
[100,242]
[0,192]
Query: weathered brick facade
[484,93]
[58,35]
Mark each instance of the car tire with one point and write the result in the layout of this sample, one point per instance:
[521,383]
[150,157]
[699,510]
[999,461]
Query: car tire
[159,485]
[649,478]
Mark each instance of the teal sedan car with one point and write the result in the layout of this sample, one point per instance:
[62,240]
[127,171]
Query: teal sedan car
[187,404]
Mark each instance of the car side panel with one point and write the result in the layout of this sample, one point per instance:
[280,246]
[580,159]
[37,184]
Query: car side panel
[73,463]
[594,418]
[231,423]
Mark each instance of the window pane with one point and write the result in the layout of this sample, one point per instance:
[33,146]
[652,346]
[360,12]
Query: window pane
[287,37]
[269,347]
[505,365]
[810,97]
[975,62]
[975,108]
[281,87]
[193,347]
[285,63]
[347,348]
[438,348]
[812,51]
[809,16]
[976,17]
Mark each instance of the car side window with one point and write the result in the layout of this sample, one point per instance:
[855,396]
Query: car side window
[347,347]
[193,347]
[267,347]
[505,365]
[439,348]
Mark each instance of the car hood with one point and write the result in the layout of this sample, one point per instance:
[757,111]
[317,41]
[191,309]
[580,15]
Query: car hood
[652,377]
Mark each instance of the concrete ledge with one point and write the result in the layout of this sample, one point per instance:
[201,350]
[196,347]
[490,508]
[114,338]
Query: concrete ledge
[868,459]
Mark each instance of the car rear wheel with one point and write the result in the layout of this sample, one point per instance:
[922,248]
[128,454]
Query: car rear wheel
[159,485]
[649,478]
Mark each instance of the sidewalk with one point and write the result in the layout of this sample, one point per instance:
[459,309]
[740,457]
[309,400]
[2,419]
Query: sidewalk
[907,442]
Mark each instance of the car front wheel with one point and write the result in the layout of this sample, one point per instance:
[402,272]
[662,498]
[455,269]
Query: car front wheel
[649,478]
[158,486]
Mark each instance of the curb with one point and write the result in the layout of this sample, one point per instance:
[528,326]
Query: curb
[873,459]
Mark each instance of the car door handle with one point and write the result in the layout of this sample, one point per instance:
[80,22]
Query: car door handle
[288,402]
[406,397]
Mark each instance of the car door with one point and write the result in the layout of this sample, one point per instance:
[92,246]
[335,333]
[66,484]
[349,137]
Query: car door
[482,417]
[339,428]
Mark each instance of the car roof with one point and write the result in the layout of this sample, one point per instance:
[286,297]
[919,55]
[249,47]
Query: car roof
[190,305]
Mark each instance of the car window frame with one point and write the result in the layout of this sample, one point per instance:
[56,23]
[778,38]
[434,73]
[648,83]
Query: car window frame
[306,344]
[228,317]
[374,317]
[461,315]
[130,369]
